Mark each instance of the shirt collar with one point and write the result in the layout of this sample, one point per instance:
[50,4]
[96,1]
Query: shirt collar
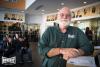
[58,29]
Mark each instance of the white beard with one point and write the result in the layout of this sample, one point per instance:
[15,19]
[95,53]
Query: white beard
[64,23]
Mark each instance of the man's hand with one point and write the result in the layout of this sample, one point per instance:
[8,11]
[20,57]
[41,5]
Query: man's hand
[66,52]
[53,52]
[69,53]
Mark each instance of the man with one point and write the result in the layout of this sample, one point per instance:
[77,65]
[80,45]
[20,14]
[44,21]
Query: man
[60,43]
[9,46]
[89,33]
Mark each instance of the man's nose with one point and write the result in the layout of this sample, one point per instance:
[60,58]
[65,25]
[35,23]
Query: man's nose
[65,17]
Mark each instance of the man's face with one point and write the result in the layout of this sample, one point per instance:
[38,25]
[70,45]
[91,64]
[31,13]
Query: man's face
[64,17]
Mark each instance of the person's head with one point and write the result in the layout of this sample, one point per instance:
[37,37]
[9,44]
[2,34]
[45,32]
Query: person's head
[9,40]
[87,29]
[16,36]
[64,17]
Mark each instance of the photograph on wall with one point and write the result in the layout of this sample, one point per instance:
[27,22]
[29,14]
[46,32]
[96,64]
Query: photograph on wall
[93,9]
[52,18]
[78,14]
[7,16]
[20,18]
[82,12]
[55,16]
[87,11]
[13,16]
[98,9]
[73,14]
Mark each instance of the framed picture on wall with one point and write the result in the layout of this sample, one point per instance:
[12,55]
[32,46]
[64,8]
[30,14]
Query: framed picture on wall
[78,14]
[93,9]
[98,9]
[13,16]
[73,14]
[87,11]
[7,16]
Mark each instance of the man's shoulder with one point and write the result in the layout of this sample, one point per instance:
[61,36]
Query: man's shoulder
[51,27]
[73,28]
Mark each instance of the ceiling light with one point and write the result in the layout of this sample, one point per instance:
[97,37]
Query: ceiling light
[62,4]
[84,2]
[57,9]
[42,10]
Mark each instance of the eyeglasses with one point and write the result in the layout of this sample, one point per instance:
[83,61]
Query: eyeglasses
[64,15]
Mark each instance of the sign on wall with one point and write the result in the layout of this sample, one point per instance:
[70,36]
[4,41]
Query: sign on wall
[51,17]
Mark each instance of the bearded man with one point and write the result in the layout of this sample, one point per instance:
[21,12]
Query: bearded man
[62,42]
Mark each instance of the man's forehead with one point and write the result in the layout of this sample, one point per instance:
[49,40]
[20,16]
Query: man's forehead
[65,10]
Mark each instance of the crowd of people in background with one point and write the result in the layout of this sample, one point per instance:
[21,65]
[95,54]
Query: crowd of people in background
[33,35]
[16,42]
[16,45]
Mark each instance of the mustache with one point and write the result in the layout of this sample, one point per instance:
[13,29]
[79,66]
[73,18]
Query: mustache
[64,20]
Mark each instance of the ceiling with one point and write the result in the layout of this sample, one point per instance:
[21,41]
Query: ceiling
[51,6]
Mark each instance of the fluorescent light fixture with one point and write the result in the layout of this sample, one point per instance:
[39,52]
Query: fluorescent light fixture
[42,10]
[84,2]
[57,9]
[62,4]
[29,3]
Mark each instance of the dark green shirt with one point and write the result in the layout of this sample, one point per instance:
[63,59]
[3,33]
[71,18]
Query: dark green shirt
[53,38]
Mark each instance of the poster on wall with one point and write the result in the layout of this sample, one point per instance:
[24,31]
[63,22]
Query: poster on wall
[73,14]
[14,17]
[87,11]
[52,17]
[79,13]
[98,9]
[94,10]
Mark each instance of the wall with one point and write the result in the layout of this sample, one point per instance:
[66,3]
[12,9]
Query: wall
[1,16]
[34,19]
[20,4]
[83,24]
